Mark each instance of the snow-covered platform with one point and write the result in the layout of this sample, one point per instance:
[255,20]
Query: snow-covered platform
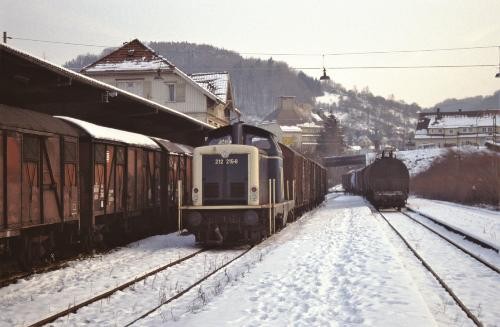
[333,267]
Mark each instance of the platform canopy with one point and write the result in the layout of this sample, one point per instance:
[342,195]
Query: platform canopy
[36,84]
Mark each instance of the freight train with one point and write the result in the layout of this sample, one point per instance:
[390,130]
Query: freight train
[246,186]
[385,182]
[68,183]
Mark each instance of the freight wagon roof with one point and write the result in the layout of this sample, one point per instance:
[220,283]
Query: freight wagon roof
[174,147]
[13,117]
[112,134]
[388,167]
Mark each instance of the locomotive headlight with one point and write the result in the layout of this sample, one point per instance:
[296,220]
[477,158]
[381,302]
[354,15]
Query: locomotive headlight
[195,194]
[253,193]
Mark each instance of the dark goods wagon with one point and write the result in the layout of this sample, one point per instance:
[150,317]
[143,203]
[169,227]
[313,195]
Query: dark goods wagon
[120,184]
[385,182]
[176,181]
[39,195]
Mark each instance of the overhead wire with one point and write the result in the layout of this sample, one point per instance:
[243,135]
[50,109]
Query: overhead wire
[288,53]
[320,54]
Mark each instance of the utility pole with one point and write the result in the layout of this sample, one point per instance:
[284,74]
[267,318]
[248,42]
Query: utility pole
[4,37]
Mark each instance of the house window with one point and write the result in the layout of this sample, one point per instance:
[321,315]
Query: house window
[171,92]
[450,131]
[440,130]
[464,130]
[133,86]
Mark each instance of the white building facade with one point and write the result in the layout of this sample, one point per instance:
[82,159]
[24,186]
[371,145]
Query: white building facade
[461,128]
[138,69]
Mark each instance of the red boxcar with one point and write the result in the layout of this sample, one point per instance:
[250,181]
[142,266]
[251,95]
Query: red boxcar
[39,197]
[120,183]
[176,165]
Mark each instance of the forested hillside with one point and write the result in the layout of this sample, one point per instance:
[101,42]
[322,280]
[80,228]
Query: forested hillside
[257,83]
[472,103]
[370,120]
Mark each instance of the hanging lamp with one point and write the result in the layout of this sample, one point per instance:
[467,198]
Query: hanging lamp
[325,77]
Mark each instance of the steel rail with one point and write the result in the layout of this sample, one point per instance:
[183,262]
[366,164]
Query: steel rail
[451,228]
[443,284]
[17,275]
[106,294]
[184,291]
[481,260]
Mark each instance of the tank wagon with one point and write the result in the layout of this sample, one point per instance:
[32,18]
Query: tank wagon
[69,184]
[246,186]
[385,182]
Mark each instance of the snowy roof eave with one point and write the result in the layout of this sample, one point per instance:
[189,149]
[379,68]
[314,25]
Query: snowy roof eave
[93,82]
[112,134]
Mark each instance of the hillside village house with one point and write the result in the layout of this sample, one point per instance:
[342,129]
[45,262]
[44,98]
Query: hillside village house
[138,69]
[443,129]
[295,124]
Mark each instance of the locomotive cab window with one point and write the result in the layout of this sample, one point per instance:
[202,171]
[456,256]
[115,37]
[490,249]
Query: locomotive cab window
[225,139]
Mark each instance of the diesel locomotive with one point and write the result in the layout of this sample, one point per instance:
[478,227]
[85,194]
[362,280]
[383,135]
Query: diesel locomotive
[246,186]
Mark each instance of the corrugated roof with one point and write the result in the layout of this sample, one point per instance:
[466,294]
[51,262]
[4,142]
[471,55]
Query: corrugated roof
[32,120]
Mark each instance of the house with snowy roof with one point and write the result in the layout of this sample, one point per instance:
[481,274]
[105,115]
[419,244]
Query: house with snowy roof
[138,69]
[459,128]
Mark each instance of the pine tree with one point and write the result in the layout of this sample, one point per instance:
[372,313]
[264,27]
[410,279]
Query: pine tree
[331,141]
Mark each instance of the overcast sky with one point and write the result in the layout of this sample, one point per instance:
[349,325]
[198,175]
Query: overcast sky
[293,26]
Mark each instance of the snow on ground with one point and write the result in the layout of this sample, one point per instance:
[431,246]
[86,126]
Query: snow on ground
[480,223]
[127,305]
[334,267]
[328,98]
[482,299]
[338,265]
[44,294]
[419,160]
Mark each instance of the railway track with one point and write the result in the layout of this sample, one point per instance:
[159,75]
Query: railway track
[132,282]
[76,307]
[189,288]
[458,246]
[455,230]
[470,305]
